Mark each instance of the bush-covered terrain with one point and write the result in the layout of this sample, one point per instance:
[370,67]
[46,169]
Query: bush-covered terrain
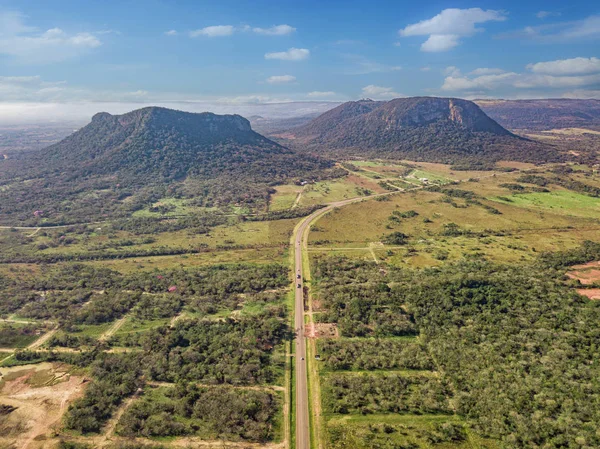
[516,348]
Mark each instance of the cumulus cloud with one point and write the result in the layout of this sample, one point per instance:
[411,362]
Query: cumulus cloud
[276,30]
[321,94]
[446,28]
[576,73]
[380,92]
[29,45]
[573,66]
[214,31]
[440,42]
[292,54]
[281,79]
[171,33]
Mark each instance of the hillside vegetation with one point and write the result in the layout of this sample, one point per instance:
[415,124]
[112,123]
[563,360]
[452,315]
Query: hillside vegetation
[421,128]
[118,164]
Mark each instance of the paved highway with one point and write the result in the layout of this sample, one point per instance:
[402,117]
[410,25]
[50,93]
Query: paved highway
[300,243]
[302,419]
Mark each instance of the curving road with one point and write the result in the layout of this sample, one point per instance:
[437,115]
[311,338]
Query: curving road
[300,243]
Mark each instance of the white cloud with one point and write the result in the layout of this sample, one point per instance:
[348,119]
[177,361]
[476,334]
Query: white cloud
[547,76]
[446,28]
[425,69]
[573,66]
[276,30]
[440,42]
[281,79]
[397,44]
[292,54]
[545,14]
[28,45]
[585,29]
[380,93]
[321,94]
[171,33]
[478,83]
[487,71]
[214,31]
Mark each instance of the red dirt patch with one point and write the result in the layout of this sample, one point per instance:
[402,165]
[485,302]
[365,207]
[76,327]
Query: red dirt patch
[322,330]
[587,274]
[592,293]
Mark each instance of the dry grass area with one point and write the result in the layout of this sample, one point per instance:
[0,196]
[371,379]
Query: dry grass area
[517,232]
[40,394]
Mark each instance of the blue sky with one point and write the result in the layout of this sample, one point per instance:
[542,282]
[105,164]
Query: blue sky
[236,52]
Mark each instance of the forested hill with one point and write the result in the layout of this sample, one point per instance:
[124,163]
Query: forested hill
[118,164]
[163,144]
[419,128]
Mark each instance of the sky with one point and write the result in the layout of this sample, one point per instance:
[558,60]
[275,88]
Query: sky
[71,58]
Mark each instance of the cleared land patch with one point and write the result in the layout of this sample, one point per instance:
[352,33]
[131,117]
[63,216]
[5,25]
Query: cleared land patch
[40,395]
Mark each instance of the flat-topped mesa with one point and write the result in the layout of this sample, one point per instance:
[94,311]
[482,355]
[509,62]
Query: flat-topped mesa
[158,143]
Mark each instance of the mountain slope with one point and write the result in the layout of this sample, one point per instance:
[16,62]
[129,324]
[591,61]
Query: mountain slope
[154,144]
[118,164]
[543,115]
[420,128]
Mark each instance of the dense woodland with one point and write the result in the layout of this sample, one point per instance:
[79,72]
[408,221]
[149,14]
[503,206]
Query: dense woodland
[516,345]
[216,413]
[374,354]
[389,393]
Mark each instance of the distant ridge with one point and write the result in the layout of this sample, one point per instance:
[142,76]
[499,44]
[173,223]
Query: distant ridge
[544,114]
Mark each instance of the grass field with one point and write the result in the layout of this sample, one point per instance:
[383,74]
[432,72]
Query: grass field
[561,202]
[285,197]
[519,230]
[330,191]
